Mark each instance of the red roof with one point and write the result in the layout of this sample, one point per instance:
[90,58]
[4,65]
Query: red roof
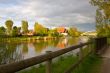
[61,30]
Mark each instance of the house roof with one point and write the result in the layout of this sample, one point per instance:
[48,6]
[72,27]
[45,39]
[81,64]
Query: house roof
[61,30]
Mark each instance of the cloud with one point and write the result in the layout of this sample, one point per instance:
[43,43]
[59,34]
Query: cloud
[48,12]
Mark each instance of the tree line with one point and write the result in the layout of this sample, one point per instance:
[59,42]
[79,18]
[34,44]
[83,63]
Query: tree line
[39,30]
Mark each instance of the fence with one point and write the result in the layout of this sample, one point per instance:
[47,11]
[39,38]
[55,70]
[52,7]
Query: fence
[100,44]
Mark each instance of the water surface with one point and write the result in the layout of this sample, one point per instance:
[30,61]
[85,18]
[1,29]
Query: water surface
[16,51]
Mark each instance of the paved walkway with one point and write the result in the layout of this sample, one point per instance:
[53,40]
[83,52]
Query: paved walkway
[105,67]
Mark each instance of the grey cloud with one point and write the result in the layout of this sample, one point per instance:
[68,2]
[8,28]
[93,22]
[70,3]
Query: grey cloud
[50,12]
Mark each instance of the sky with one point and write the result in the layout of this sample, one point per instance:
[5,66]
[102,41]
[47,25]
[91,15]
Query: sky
[50,13]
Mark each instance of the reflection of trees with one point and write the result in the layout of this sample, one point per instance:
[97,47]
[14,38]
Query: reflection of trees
[60,43]
[39,46]
[9,53]
[25,48]
[53,42]
[72,41]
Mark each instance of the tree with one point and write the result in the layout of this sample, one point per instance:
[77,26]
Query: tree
[103,31]
[19,30]
[15,31]
[37,27]
[102,16]
[54,33]
[9,25]
[24,26]
[73,32]
[2,31]
[40,30]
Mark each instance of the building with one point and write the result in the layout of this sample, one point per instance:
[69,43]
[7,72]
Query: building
[62,30]
[29,33]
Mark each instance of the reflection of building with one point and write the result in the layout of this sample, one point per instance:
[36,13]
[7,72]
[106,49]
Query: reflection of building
[62,44]
[62,30]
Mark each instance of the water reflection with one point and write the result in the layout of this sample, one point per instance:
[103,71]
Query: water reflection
[63,43]
[25,48]
[11,52]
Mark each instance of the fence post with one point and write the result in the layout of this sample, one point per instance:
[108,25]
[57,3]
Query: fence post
[100,43]
[48,64]
[80,53]
[90,47]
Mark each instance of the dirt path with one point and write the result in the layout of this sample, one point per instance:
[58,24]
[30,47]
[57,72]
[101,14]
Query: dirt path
[105,67]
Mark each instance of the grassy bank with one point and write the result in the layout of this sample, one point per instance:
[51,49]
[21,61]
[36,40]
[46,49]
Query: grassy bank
[33,38]
[89,65]
[58,67]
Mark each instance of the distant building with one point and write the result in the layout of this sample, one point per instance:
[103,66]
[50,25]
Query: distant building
[62,30]
[29,33]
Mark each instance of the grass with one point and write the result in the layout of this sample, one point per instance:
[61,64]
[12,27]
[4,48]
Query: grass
[58,67]
[64,63]
[89,65]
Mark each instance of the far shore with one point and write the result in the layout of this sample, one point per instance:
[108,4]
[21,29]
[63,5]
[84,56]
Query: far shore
[28,38]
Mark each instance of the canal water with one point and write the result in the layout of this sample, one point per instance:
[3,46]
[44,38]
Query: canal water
[16,51]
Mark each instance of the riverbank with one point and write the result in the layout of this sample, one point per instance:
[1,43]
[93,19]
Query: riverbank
[90,64]
[32,39]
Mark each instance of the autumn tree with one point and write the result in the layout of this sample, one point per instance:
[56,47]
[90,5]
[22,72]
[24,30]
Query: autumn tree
[54,33]
[73,32]
[104,31]
[37,27]
[40,29]
[9,25]
[24,26]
